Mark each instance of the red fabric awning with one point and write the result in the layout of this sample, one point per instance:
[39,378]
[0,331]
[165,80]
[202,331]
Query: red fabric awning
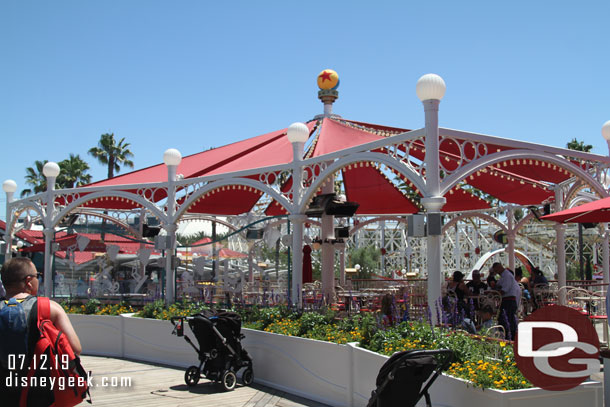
[519,181]
[375,193]
[592,212]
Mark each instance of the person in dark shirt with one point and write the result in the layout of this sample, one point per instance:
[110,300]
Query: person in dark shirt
[476,285]
[491,279]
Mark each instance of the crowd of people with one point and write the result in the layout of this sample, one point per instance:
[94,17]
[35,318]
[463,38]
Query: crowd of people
[512,286]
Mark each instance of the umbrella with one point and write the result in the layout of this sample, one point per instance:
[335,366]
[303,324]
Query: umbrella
[225,253]
[307,270]
[66,242]
[592,212]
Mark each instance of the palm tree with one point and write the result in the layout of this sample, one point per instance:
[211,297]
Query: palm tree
[579,146]
[73,172]
[35,178]
[111,154]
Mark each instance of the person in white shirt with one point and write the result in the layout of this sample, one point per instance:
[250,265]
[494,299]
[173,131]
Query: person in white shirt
[511,295]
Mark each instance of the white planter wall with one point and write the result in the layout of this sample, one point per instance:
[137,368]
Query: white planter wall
[338,375]
[99,335]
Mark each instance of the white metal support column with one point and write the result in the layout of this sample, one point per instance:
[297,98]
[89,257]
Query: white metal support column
[430,90]
[172,159]
[297,134]
[9,186]
[328,249]
[341,247]
[560,233]
[560,254]
[606,254]
[512,234]
[297,258]
[50,171]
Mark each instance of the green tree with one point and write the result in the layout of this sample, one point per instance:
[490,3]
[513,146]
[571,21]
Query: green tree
[111,154]
[73,172]
[579,146]
[35,179]
[368,259]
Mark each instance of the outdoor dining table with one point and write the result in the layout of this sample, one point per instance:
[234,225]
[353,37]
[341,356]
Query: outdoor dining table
[589,299]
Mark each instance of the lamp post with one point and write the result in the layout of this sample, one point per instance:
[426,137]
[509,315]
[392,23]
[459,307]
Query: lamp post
[297,134]
[430,89]
[171,158]
[50,171]
[9,186]
[606,249]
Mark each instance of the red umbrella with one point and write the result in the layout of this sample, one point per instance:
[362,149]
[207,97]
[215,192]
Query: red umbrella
[307,270]
[225,253]
[67,241]
[592,212]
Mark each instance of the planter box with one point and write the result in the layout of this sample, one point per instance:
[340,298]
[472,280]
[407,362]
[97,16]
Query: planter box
[151,340]
[338,375]
[309,368]
[451,391]
[100,335]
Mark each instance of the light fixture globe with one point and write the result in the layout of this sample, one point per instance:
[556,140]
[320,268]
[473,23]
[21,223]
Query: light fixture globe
[51,170]
[171,156]
[297,133]
[606,131]
[430,86]
[9,186]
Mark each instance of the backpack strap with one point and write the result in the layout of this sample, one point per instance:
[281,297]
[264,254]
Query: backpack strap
[44,309]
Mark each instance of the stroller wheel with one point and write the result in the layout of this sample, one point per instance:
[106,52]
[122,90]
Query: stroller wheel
[247,377]
[192,376]
[229,380]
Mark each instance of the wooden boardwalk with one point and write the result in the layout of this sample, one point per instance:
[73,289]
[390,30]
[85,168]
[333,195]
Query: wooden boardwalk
[154,385]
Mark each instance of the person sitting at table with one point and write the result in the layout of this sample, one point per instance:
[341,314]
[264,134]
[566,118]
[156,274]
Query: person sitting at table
[476,286]
[486,319]
[457,286]
[387,310]
[491,279]
[539,277]
[523,281]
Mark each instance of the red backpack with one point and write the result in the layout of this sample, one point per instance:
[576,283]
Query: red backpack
[54,360]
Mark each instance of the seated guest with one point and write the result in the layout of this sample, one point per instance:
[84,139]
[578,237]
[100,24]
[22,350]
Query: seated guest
[491,279]
[486,319]
[539,277]
[476,285]
[457,286]
[520,279]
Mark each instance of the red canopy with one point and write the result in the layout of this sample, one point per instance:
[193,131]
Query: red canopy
[521,181]
[592,212]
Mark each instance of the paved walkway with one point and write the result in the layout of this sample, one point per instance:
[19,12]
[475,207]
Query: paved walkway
[154,385]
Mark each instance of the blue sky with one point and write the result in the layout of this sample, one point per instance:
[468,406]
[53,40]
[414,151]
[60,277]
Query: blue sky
[198,74]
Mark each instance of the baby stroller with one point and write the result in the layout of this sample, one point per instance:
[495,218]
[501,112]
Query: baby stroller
[220,354]
[400,379]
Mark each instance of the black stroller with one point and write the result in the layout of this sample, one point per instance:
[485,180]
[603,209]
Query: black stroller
[400,379]
[220,354]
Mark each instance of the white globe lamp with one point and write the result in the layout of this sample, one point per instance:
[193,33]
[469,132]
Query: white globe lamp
[297,133]
[606,131]
[9,186]
[430,86]
[171,156]
[51,170]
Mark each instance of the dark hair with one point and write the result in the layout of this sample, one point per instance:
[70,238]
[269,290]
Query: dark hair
[15,271]
[386,304]
[518,271]
[458,276]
